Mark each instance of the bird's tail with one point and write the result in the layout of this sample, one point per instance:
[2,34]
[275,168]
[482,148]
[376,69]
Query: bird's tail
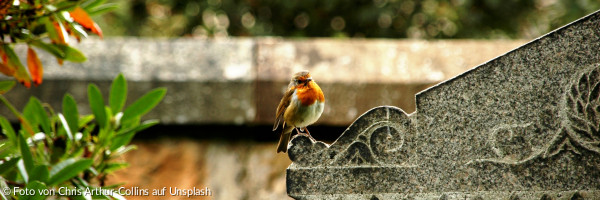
[284,139]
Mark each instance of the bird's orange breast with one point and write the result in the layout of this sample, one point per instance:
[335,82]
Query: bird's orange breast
[309,94]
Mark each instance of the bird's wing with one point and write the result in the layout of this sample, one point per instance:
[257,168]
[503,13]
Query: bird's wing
[285,102]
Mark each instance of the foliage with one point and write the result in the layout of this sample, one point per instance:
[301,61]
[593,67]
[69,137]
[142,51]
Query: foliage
[32,21]
[339,18]
[67,149]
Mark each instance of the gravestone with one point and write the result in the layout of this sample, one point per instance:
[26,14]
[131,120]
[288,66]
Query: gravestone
[522,126]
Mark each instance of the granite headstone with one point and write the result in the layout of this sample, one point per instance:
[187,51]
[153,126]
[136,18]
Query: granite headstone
[525,125]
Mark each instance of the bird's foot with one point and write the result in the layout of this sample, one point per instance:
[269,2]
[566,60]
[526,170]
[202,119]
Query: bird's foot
[304,132]
[308,133]
[301,132]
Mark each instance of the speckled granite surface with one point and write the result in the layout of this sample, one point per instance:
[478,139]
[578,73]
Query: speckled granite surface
[525,125]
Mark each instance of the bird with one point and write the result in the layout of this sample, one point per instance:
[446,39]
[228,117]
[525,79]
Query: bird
[302,105]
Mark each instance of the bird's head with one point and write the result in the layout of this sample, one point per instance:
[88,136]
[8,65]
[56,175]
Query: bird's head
[301,79]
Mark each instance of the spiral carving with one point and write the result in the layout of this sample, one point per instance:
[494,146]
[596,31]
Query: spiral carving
[387,144]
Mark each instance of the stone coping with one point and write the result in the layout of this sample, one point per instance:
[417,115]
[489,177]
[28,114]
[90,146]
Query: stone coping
[241,80]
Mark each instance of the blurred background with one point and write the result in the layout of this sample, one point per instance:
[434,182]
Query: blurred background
[427,19]
[226,64]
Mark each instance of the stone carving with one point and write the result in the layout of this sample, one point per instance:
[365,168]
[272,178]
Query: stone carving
[580,115]
[364,143]
[511,144]
[522,126]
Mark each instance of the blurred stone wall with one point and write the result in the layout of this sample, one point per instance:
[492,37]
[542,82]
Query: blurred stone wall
[239,82]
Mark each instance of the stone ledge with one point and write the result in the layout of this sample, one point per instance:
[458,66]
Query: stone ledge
[240,81]
[482,195]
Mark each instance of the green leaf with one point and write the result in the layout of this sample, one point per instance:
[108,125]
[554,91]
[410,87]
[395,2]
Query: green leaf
[91,4]
[107,134]
[103,9]
[29,114]
[123,150]
[77,152]
[79,30]
[50,48]
[26,154]
[97,104]
[84,120]
[123,138]
[146,124]
[52,32]
[39,173]
[118,94]
[8,148]
[71,54]
[130,123]
[8,130]
[66,5]
[111,167]
[5,86]
[67,169]
[40,114]
[69,108]
[144,104]
[9,164]
[37,187]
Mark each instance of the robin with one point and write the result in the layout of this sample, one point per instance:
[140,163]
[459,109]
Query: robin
[300,106]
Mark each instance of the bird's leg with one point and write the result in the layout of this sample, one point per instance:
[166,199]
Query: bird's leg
[306,129]
[307,133]
[299,131]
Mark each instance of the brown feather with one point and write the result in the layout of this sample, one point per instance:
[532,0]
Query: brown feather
[284,138]
[283,104]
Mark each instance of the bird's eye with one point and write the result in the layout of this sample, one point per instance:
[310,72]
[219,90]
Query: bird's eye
[298,81]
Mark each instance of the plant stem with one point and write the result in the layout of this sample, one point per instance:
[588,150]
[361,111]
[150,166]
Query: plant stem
[23,121]
[10,106]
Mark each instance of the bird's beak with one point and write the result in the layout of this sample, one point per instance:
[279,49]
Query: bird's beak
[307,81]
